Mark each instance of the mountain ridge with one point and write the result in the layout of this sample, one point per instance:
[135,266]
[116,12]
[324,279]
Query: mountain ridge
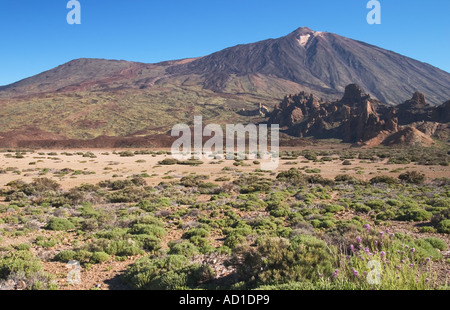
[321,62]
[87,98]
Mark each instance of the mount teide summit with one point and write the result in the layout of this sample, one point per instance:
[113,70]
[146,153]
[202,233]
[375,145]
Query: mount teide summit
[88,98]
[319,62]
[322,63]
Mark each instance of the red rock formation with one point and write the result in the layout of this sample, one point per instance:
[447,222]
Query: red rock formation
[356,118]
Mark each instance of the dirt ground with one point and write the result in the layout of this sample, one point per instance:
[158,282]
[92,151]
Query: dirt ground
[106,166]
[110,166]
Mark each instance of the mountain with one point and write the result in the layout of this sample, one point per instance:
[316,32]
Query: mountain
[321,62]
[88,98]
[359,118]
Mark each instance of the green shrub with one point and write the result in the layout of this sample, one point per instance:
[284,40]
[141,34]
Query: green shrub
[293,176]
[317,179]
[83,256]
[436,243]
[346,178]
[190,162]
[316,223]
[173,272]
[234,240]
[19,262]
[65,256]
[149,219]
[126,154]
[386,215]
[440,216]
[425,249]
[413,177]
[114,234]
[168,161]
[334,208]
[45,242]
[184,248]
[427,229]
[148,242]
[327,224]
[414,214]
[22,247]
[123,248]
[59,224]
[199,241]
[359,207]
[310,156]
[252,183]
[278,260]
[99,257]
[444,227]
[375,204]
[383,179]
[280,210]
[200,232]
[148,229]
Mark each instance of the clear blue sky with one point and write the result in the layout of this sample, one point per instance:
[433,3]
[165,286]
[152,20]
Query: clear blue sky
[34,34]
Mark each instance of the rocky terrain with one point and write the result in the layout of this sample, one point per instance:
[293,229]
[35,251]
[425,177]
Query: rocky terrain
[134,219]
[359,118]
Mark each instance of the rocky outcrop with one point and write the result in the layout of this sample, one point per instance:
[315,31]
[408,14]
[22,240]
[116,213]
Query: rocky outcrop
[414,110]
[408,136]
[358,118]
[261,111]
[442,113]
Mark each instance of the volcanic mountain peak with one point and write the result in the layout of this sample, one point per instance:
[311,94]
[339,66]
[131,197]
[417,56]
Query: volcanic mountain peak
[304,35]
[306,31]
[321,63]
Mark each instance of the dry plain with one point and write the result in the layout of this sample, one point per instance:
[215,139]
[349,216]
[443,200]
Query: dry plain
[73,168]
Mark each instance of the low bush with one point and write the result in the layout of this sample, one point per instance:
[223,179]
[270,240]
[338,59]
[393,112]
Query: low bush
[19,262]
[413,177]
[99,257]
[278,260]
[173,272]
[59,224]
[65,256]
[436,243]
[427,229]
[184,248]
[149,243]
[383,179]
[414,214]
[148,229]
[444,227]
[168,161]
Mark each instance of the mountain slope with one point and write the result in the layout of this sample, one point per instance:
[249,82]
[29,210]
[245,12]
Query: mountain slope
[324,63]
[87,98]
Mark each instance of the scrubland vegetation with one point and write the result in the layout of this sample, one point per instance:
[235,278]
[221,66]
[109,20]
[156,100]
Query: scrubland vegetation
[290,229]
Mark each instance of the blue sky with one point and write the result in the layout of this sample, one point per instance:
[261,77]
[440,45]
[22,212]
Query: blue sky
[34,34]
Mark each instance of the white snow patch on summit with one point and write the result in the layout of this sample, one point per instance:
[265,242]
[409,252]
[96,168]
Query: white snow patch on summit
[303,40]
